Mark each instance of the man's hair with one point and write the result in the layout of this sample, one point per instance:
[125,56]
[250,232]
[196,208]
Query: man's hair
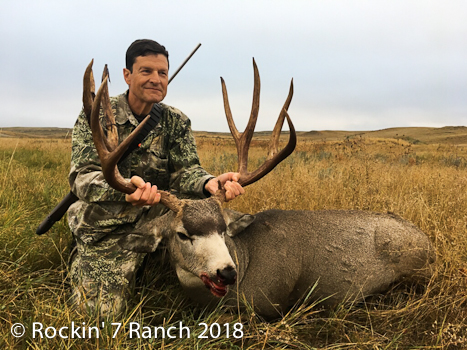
[143,47]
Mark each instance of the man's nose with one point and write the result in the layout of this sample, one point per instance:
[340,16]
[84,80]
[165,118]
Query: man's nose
[155,78]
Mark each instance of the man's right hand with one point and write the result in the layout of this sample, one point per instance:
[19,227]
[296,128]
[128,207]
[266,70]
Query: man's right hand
[145,194]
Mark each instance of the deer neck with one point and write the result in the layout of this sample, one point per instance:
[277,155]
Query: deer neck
[240,255]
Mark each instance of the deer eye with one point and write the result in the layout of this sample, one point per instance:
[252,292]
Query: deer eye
[183,237]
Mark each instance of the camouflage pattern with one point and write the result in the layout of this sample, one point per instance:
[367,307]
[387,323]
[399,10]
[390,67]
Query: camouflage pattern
[167,158]
[102,276]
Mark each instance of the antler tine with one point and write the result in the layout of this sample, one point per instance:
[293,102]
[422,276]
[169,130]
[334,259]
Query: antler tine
[111,141]
[105,73]
[274,144]
[250,128]
[228,113]
[88,91]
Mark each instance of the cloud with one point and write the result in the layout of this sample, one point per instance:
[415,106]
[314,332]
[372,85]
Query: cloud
[356,64]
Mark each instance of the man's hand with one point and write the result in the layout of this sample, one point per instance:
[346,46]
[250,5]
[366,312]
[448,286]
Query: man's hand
[230,183]
[145,194]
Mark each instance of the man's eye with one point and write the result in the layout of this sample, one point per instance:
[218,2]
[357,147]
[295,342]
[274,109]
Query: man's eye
[183,237]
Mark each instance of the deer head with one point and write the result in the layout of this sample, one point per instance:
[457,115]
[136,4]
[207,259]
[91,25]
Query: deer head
[194,229]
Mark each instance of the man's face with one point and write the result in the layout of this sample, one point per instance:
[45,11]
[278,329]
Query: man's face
[148,81]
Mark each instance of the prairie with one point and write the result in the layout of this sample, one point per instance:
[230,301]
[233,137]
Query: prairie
[423,181]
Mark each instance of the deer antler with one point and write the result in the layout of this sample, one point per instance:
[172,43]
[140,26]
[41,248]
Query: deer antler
[111,141]
[89,89]
[110,152]
[107,147]
[243,140]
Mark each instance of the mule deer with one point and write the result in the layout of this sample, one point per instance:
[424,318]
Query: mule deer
[272,258]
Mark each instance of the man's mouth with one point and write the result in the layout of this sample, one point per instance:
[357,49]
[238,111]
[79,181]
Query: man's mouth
[217,288]
[153,89]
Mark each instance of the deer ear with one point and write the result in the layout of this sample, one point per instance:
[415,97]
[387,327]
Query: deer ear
[236,222]
[148,232]
[140,243]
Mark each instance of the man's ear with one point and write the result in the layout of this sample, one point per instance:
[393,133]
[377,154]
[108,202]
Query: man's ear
[236,222]
[126,75]
[140,243]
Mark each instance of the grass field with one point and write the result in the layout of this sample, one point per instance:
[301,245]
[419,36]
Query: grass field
[424,182]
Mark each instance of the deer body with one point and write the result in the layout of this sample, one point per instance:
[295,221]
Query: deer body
[282,254]
[279,255]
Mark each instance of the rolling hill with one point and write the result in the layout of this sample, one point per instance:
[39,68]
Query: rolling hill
[424,135]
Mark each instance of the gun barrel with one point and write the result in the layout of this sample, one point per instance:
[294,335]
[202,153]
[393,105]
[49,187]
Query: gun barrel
[56,213]
[184,62]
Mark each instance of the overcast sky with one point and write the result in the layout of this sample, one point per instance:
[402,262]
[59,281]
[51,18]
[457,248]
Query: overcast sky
[356,65]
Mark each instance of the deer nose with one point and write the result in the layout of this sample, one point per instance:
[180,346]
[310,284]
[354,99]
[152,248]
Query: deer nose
[228,275]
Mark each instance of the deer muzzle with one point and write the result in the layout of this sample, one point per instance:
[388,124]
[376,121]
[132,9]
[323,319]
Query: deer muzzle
[218,285]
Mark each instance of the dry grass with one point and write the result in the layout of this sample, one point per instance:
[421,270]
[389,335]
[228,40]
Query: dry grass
[426,184]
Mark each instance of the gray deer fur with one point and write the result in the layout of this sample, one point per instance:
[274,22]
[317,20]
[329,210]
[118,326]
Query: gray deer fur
[279,255]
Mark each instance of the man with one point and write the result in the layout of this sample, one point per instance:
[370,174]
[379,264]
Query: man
[102,273]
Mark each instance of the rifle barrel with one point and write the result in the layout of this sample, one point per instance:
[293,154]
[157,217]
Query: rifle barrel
[184,62]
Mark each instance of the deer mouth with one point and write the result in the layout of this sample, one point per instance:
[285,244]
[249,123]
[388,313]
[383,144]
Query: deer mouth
[217,288]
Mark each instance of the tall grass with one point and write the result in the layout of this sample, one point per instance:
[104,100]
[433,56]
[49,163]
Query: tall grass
[426,184]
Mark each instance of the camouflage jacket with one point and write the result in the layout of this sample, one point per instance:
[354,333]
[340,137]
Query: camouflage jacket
[167,158]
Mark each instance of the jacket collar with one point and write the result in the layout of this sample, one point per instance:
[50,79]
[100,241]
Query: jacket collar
[123,112]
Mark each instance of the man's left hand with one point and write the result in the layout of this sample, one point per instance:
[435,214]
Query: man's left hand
[230,183]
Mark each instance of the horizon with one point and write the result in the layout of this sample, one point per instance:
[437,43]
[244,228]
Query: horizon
[262,131]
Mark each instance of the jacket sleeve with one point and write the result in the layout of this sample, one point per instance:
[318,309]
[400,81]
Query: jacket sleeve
[187,176]
[86,179]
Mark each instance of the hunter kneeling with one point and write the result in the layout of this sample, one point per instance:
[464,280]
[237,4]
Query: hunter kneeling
[102,273]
